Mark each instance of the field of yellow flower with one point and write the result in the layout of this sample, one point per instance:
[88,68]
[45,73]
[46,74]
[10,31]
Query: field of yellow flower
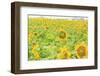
[57,38]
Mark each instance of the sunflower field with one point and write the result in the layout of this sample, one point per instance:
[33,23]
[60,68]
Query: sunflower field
[57,38]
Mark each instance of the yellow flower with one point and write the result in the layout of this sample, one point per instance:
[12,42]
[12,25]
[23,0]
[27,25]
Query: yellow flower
[63,54]
[81,50]
[36,53]
[45,27]
[81,25]
[30,36]
[62,35]
[34,46]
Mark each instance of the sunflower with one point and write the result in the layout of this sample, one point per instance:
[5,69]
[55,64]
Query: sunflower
[34,46]
[35,34]
[62,34]
[81,50]
[30,36]
[63,54]
[45,27]
[35,53]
